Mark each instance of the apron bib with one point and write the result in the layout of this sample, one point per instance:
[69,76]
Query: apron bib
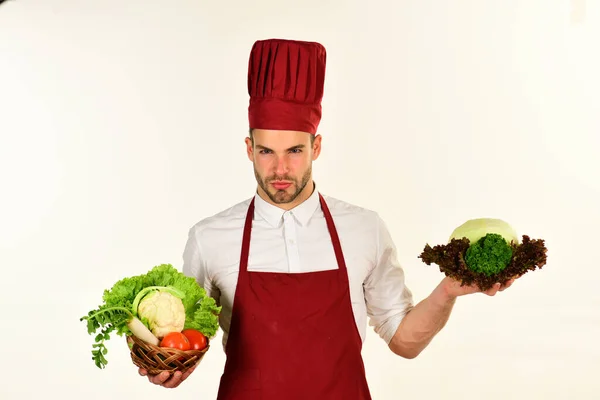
[293,335]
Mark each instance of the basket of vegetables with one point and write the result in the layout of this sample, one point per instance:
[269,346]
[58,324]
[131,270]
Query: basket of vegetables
[166,317]
[484,251]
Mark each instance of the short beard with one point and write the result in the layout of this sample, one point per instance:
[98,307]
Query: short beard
[281,196]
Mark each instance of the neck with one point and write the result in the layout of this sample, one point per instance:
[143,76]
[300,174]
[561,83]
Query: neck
[301,198]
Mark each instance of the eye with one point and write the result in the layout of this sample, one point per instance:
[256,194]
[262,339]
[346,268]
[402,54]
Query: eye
[264,151]
[296,151]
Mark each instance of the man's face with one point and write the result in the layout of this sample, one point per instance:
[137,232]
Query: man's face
[283,164]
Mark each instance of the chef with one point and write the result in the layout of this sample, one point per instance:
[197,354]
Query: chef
[298,273]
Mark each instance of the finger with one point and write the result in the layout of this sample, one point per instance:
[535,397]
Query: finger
[142,372]
[507,285]
[174,381]
[189,372]
[159,379]
[186,375]
[493,290]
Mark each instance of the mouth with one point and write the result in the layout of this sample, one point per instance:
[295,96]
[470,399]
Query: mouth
[281,185]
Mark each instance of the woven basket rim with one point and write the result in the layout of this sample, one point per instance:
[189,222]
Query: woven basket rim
[156,359]
[136,340]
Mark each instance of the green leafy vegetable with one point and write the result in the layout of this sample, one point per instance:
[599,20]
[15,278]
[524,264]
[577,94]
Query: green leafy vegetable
[485,251]
[489,255]
[119,311]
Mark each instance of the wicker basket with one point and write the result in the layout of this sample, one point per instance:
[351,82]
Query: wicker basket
[155,359]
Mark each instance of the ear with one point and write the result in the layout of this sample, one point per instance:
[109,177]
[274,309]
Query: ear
[249,149]
[316,147]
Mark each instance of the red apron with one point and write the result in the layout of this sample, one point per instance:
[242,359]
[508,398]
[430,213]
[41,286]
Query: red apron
[293,335]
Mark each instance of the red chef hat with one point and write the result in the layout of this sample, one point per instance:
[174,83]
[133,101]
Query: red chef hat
[285,84]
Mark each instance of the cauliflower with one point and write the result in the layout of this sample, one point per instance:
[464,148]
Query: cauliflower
[163,312]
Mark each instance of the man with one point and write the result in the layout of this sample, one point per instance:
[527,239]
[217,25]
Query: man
[299,273]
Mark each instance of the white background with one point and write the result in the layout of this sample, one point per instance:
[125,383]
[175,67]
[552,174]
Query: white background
[122,124]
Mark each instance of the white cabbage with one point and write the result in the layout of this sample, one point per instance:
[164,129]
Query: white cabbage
[475,229]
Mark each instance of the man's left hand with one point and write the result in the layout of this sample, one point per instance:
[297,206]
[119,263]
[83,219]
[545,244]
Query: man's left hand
[454,289]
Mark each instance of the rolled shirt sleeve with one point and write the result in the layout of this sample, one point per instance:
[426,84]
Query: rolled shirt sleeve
[387,297]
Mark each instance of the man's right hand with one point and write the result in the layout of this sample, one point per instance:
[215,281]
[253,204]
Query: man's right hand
[163,379]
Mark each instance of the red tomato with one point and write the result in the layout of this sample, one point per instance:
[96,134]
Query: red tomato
[175,340]
[197,340]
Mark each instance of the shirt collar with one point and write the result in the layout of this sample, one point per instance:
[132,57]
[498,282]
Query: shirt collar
[274,215]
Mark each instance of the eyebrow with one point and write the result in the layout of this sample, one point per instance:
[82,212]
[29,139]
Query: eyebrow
[299,146]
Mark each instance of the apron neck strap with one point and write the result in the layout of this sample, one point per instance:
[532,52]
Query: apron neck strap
[337,247]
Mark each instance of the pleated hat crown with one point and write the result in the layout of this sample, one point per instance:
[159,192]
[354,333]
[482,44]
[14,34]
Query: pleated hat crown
[285,82]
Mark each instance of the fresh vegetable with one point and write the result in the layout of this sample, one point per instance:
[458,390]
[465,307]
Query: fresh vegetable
[484,251]
[139,329]
[489,255]
[175,340]
[111,318]
[197,340]
[475,229]
[149,306]
[162,311]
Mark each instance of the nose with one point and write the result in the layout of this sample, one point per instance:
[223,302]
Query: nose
[281,168]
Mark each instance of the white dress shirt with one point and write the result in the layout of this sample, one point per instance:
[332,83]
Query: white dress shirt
[297,241]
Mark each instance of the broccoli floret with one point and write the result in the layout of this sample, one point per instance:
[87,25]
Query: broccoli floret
[489,255]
